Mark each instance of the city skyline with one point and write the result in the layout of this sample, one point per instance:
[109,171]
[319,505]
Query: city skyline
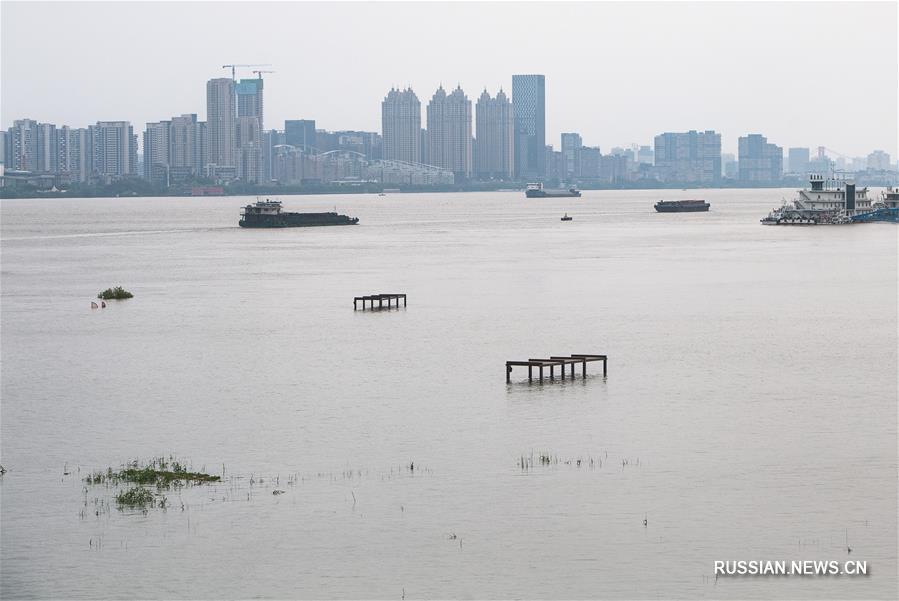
[611,105]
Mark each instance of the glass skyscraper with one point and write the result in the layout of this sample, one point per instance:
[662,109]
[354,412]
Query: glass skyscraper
[529,105]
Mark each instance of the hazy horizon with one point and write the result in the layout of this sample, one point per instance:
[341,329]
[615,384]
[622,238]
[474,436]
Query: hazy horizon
[802,74]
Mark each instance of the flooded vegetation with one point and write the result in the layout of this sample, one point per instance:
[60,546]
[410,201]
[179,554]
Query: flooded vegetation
[545,459]
[117,293]
[144,485]
[136,497]
[160,471]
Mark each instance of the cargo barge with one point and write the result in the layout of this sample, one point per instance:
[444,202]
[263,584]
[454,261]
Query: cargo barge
[268,213]
[681,206]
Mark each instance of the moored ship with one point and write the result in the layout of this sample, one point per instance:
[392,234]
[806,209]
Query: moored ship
[885,209]
[681,206]
[828,202]
[538,191]
[889,198]
[268,213]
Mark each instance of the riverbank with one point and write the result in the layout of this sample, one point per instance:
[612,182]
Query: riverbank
[141,188]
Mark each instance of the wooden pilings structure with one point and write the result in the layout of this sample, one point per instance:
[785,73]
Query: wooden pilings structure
[392,300]
[555,360]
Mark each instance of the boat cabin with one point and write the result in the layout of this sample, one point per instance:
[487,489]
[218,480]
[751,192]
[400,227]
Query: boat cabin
[263,207]
[832,194]
[890,198]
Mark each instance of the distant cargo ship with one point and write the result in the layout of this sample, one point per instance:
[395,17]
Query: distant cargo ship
[681,206]
[538,191]
[268,213]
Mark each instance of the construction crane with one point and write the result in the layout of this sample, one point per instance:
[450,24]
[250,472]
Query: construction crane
[259,73]
[234,67]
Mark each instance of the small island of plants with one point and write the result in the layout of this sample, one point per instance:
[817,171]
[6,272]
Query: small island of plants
[117,293]
[137,479]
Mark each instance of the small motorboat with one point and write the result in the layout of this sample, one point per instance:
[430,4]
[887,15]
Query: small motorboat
[566,217]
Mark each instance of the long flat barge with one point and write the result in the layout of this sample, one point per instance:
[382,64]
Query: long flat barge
[681,206]
[268,214]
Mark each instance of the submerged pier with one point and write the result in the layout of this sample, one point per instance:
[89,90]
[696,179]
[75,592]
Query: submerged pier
[557,360]
[393,300]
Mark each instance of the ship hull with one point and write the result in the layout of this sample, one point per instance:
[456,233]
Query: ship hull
[551,194]
[890,215]
[296,220]
[670,208]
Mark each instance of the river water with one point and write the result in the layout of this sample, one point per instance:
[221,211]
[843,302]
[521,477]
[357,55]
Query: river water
[749,412]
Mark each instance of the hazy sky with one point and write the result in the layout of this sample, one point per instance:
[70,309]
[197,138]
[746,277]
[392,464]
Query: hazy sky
[804,74]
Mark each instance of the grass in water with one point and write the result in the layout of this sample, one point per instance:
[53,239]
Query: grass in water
[117,293]
[148,475]
[161,471]
[135,497]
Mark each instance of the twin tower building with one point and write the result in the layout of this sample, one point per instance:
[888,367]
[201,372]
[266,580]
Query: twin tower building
[509,141]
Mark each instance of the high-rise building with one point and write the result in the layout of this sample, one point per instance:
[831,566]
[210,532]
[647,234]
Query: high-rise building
[249,99]
[300,133]
[629,153]
[271,140]
[249,149]
[23,145]
[529,104]
[449,131]
[401,126]
[759,161]
[879,161]
[571,149]
[615,168]
[202,149]
[114,150]
[589,162]
[46,148]
[555,166]
[688,157]
[798,159]
[821,163]
[248,139]
[64,157]
[856,164]
[83,150]
[74,153]
[495,139]
[729,166]
[645,155]
[367,143]
[157,157]
[221,122]
[187,143]
[425,147]
[325,141]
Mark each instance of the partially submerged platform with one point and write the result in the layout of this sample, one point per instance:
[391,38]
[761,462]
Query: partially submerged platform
[557,360]
[393,300]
